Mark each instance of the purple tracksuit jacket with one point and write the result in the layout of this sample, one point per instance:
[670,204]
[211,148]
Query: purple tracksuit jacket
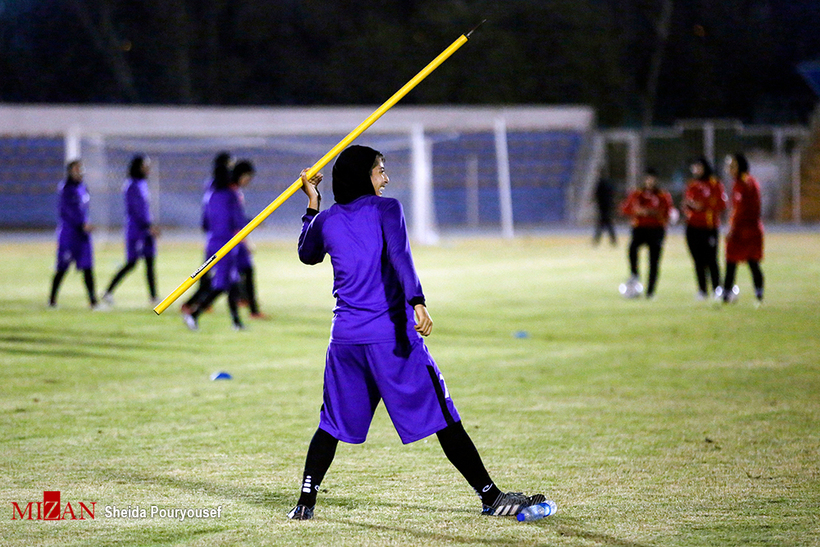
[375,352]
[375,281]
[138,238]
[73,242]
[223,218]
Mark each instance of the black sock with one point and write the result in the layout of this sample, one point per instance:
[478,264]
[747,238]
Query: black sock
[88,276]
[729,280]
[150,276]
[233,304]
[757,278]
[462,453]
[319,457]
[55,286]
[250,290]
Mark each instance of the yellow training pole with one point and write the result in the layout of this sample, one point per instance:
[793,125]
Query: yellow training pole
[257,220]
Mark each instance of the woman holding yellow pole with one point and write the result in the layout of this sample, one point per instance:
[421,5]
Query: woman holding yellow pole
[376,350]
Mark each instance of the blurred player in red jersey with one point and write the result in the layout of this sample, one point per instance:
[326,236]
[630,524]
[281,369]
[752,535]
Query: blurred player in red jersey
[745,240]
[703,202]
[650,209]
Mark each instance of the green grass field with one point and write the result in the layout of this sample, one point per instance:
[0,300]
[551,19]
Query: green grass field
[668,422]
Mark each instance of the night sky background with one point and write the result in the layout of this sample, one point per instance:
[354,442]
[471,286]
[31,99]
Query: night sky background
[638,62]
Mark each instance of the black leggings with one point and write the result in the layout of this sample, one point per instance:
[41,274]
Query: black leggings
[126,269]
[233,303]
[604,224]
[703,246]
[88,278]
[456,443]
[757,278]
[249,288]
[652,238]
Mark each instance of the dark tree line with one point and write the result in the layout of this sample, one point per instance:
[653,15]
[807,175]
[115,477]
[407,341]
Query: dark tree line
[636,61]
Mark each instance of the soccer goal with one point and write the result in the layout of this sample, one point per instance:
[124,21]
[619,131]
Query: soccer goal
[455,169]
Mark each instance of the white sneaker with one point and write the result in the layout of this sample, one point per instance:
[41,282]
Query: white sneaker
[190,321]
[108,298]
[732,297]
[700,296]
[154,302]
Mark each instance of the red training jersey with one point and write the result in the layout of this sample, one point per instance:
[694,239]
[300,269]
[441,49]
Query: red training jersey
[704,200]
[745,240]
[746,203]
[648,208]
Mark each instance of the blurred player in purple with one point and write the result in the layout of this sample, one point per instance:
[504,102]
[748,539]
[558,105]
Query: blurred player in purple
[223,218]
[73,233]
[140,233]
[222,166]
[242,175]
[376,350]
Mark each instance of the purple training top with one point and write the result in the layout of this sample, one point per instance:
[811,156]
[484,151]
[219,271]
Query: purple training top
[139,241]
[224,217]
[73,242]
[73,206]
[137,211]
[374,279]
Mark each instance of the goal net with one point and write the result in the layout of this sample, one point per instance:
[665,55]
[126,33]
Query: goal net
[481,170]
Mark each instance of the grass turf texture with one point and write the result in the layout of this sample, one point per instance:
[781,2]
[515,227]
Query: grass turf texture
[649,423]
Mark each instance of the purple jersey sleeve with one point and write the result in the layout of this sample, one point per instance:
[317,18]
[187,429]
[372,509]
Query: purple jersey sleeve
[311,247]
[398,250]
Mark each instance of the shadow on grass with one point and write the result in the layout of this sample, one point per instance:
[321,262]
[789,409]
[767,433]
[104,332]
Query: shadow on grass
[274,500]
[59,338]
[603,539]
[151,536]
[254,495]
[438,538]
[435,538]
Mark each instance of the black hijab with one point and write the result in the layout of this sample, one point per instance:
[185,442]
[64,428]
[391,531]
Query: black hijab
[351,173]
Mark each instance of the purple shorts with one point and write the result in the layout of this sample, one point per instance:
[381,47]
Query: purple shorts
[141,245]
[358,376]
[225,272]
[73,246]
